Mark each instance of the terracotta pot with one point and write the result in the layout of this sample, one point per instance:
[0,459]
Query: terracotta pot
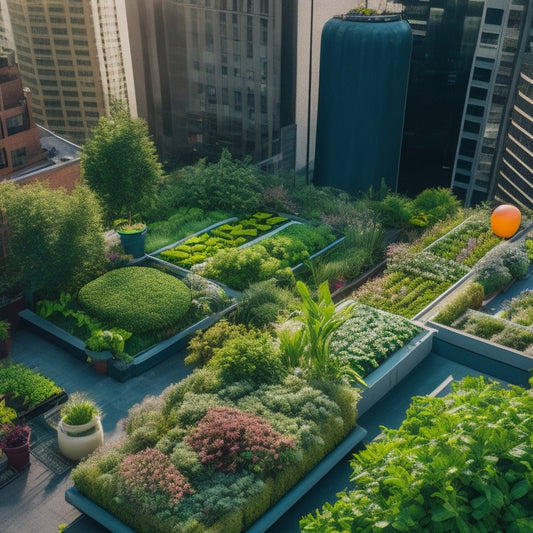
[76,442]
[5,347]
[18,457]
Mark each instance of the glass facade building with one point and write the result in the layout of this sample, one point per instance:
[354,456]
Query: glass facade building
[70,56]
[211,74]
[444,40]
[501,42]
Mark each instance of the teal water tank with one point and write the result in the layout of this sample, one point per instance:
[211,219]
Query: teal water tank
[364,70]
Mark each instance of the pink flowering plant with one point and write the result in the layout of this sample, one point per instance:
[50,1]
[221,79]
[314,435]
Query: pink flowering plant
[150,480]
[231,440]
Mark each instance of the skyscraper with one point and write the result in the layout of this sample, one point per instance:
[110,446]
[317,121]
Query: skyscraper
[211,74]
[74,57]
[503,38]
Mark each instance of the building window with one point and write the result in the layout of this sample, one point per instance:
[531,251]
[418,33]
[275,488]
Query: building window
[494,16]
[237,95]
[3,158]
[14,124]
[18,157]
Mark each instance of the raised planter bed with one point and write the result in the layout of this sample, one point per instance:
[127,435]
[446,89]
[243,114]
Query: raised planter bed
[116,369]
[395,369]
[87,506]
[43,407]
[485,356]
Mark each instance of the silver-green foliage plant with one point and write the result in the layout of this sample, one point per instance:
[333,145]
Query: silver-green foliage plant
[369,337]
[462,463]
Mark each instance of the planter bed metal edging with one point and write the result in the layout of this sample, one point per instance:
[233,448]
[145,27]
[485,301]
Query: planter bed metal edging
[482,355]
[106,519]
[382,380]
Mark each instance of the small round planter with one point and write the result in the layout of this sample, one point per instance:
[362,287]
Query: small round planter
[133,243]
[99,360]
[76,442]
[19,456]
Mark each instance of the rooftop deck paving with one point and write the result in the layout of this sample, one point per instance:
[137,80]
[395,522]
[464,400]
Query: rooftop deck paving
[34,502]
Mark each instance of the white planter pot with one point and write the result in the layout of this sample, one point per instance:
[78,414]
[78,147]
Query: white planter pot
[76,442]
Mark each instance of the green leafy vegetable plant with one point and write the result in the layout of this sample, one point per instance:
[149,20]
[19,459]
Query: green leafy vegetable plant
[462,463]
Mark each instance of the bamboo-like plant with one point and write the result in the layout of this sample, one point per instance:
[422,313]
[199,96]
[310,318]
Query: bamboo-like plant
[319,320]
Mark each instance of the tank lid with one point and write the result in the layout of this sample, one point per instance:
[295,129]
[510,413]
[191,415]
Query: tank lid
[356,17]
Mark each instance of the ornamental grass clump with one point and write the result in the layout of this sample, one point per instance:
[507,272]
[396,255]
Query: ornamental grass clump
[230,440]
[150,480]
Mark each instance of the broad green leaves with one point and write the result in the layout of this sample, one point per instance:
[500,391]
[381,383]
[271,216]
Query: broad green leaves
[462,463]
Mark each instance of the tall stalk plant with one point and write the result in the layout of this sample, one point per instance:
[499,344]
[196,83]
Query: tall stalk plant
[318,320]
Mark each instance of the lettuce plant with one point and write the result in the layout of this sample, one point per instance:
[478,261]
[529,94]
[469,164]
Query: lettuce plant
[462,463]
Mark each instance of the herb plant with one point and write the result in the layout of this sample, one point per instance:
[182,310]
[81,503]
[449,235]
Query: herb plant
[462,463]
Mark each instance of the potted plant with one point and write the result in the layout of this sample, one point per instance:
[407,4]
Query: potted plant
[102,345]
[5,338]
[125,184]
[132,237]
[79,431]
[15,443]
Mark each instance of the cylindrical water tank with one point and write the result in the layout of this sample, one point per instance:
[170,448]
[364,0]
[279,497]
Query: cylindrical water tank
[364,70]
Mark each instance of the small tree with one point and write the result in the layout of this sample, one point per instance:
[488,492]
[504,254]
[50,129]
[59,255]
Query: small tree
[120,164]
[57,241]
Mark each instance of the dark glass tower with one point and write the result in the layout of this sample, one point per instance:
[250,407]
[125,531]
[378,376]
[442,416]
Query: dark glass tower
[445,33]
[211,74]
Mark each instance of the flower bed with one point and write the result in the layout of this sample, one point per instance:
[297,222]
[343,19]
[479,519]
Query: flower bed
[369,337]
[69,326]
[274,256]
[413,280]
[217,455]
[458,463]
[198,248]
[468,242]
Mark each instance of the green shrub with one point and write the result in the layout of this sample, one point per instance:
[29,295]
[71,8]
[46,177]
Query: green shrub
[203,344]
[514,257]
[263,302]
[484,326]
[514,337]
[239,268]
[520,309]
[250,356]
[492,275]
[438,203]
[469,297]
[137,299]
[458,463]
[228,184]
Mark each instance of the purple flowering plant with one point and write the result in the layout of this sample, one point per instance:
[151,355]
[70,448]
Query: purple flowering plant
[12,435]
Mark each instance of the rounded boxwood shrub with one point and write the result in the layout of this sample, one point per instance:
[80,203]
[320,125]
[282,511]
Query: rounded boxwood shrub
[137,299]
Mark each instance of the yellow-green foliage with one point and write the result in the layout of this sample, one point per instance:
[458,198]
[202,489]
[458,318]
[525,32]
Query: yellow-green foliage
[137,299]
[470,297]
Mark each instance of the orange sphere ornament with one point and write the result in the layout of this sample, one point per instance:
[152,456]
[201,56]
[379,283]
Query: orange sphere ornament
[505,220]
